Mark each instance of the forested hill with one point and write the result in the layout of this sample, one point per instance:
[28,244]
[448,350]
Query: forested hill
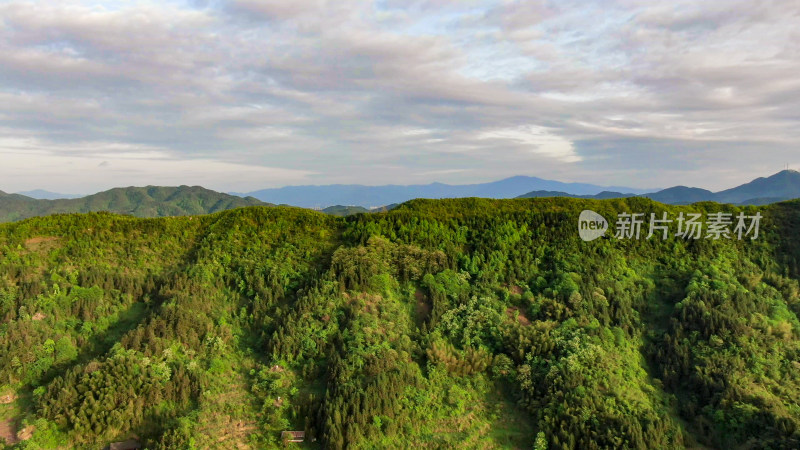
[150,201]
[466,323]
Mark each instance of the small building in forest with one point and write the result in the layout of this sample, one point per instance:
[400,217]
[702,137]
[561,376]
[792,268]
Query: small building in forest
[293,436]
[130,444]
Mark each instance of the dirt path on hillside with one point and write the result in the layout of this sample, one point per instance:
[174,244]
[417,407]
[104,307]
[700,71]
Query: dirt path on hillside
[8,431]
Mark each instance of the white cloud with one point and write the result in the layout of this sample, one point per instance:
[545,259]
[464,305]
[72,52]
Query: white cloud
[535,139]
[393,92]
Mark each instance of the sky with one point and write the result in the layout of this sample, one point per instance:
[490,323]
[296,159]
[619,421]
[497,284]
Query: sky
[242,95]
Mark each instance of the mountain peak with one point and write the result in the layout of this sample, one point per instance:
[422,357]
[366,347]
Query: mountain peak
[787,173]
[782,185]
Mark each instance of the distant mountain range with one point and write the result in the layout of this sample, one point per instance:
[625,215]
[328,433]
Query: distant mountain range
[784,185]
[41,194]
[156,201]
[150,201]
[373,196]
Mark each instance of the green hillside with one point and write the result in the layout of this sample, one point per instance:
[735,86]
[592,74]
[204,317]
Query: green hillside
[150,201]
[463,323]
[339,210]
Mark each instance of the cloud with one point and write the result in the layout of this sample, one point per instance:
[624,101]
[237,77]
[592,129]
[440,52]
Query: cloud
[128,168]
[397,92]
[536,140]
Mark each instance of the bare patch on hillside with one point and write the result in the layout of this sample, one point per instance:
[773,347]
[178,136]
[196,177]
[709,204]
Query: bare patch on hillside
[514,311]
[8,431]
[42,243]
[5,399]
[26,433]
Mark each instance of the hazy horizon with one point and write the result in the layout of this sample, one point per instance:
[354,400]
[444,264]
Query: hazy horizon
[616,188]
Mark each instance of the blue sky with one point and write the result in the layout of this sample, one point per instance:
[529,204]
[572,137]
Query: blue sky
[245,94]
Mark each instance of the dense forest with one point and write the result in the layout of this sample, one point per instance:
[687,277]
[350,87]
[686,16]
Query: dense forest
[465,323]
